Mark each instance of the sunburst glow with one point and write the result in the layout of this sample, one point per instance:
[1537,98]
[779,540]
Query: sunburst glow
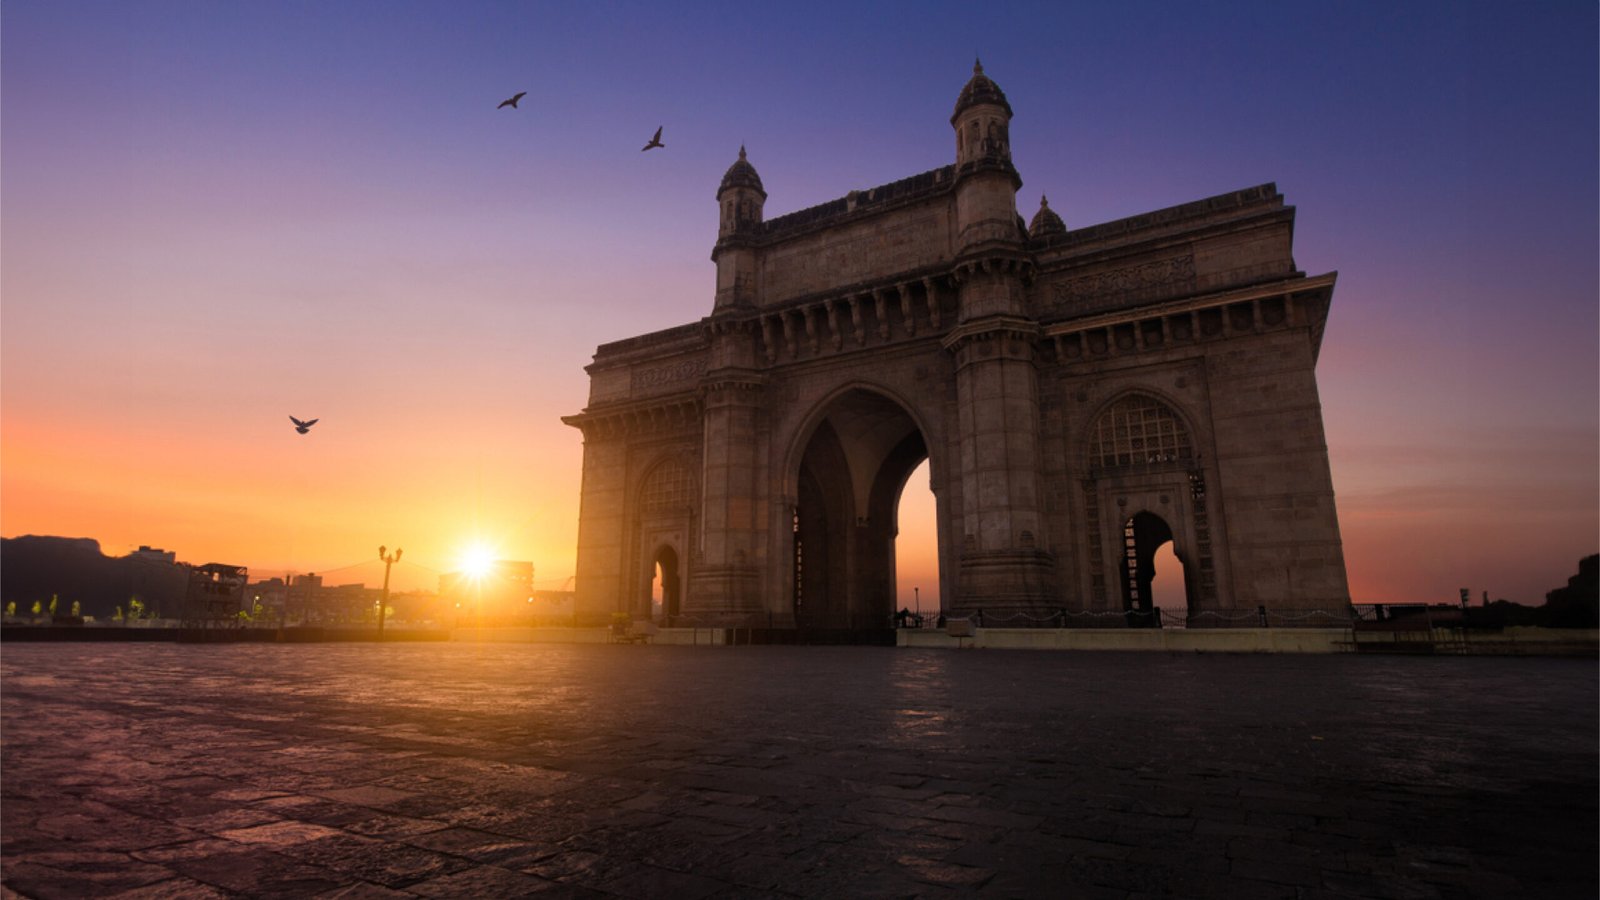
[477,561]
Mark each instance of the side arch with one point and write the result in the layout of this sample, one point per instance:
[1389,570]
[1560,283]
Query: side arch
[1143,460]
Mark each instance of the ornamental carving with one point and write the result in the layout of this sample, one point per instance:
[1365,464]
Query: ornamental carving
[688,370]
[1139,281]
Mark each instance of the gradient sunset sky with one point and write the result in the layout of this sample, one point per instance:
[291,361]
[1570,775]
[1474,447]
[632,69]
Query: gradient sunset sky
[217,215]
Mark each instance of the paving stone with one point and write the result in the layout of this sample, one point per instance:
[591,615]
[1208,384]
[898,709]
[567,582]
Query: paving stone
[179,888]
[794,781]
[259,873]
[73,875]
[482,883]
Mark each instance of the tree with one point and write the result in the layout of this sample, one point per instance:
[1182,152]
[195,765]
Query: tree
[135,608]
[77,608]
[38,607]
[53,601]
[11,608]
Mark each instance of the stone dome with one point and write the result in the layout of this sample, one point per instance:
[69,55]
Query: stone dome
[741,174]
[1045,221]
[980,89]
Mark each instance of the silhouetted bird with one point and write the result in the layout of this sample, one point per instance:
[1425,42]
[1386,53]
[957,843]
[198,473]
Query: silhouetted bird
[513,101]
[654,142]
[300,426]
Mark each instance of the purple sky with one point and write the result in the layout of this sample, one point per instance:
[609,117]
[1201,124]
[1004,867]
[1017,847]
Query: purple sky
[219,214]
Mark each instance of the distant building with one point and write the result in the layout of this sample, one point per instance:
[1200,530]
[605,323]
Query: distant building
[271,595]
[215,595]
[154,554]
[554,607]
[344,604]
[503,595]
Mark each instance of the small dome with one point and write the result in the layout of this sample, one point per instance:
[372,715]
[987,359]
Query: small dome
[741,174]
[980,89]
[1045,221]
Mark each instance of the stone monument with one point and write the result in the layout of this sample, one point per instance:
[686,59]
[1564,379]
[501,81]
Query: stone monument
[1082,396]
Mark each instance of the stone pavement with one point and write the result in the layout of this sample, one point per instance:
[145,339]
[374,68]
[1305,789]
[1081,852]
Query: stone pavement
[457,770]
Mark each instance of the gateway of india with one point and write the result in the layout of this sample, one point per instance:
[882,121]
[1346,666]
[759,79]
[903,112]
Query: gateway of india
[1082,396]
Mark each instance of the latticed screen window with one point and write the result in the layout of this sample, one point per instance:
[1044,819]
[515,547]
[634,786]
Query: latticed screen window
[668,487]
[1139,430]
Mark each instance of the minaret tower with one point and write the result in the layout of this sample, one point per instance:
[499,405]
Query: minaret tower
[986,181]
[740,198]
[1005,564]
[725,580]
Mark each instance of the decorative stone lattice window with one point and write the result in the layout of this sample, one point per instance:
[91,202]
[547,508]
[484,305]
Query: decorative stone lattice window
[1138,430]
[668,487]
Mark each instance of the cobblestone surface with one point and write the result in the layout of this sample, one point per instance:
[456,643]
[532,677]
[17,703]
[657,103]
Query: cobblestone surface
[156,770]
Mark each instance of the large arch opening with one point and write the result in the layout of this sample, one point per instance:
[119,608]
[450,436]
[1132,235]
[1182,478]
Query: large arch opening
[849,484]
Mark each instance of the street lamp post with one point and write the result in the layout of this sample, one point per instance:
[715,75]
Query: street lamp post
[383,605]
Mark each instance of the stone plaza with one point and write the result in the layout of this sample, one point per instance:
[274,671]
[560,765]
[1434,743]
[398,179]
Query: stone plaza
[596,770]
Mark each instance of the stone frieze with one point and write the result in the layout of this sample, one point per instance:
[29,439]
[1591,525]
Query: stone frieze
[1139,281]
[659,376]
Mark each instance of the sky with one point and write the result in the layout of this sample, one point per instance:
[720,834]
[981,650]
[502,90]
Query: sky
[217,215]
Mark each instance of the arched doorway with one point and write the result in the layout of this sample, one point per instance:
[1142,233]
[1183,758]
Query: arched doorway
[666,587]
[1144,535]
[855,464]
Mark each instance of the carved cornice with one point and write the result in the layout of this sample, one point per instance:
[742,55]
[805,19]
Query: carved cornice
[661,416]
[1002,262]
[993,163]
[731,384]
[1289,303]
[1024,332]
[853,318]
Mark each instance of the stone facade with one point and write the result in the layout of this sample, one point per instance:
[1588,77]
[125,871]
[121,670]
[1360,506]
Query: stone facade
[1082,397]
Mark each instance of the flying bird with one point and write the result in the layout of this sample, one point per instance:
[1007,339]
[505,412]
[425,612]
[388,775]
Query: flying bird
[513,101]
[300,426]
[654,142]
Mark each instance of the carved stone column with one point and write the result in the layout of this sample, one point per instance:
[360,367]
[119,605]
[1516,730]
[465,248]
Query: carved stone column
[725,584]
[1004,567]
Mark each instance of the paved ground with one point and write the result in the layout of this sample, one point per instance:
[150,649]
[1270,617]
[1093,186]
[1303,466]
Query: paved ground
[158,770]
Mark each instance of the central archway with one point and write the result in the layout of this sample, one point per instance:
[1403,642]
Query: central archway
[854,465]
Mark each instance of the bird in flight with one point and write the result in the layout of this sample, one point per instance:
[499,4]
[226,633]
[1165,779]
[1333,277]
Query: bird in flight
[513,101]
[300,426]
[654,142]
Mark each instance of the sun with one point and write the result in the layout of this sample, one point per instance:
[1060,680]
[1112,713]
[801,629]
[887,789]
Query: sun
[477,561]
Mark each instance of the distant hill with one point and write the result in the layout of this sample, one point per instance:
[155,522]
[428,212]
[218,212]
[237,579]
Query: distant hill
[34,567]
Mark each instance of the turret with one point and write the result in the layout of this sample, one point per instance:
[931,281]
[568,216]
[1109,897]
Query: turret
[982,121]
[740,198]
[986,181]
[1045,222]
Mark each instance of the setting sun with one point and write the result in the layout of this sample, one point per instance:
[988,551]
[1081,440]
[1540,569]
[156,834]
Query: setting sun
[477,561]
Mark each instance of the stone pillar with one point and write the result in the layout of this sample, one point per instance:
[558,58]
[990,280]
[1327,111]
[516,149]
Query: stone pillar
[1004,568]
[725,584]
[601,526]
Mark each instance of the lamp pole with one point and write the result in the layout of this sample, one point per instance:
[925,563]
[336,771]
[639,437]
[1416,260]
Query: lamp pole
[383,605]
